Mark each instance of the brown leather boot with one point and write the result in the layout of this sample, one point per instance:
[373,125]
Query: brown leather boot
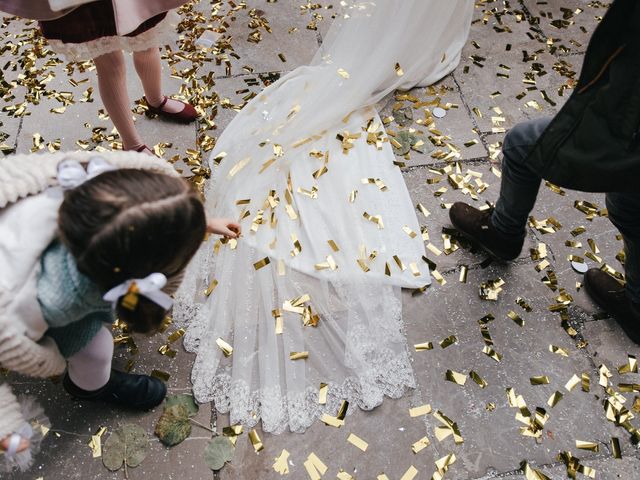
[476,225]
[607,292]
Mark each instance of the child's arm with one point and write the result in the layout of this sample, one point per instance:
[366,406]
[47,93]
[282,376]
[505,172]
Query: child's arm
[223,226]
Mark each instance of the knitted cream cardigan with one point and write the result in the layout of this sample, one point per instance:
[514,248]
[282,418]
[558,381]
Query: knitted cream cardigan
[22,176]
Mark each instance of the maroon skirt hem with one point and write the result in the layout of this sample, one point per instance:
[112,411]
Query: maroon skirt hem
[91,22]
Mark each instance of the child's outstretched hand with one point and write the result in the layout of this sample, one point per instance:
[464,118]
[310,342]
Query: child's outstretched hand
[223,226]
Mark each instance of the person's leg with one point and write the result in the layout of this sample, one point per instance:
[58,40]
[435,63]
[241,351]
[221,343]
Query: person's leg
[113,92]
[520,184]
[90,377]
[90,368]
[624,213]
[501,232]
[621,302]
[149,69]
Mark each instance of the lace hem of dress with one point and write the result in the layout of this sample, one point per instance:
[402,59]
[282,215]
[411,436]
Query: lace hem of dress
[297,411]
[163,32]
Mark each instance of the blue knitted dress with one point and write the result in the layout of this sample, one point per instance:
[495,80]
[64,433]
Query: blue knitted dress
[71,304]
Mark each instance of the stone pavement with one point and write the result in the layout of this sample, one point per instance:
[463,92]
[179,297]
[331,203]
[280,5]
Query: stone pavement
[520,62]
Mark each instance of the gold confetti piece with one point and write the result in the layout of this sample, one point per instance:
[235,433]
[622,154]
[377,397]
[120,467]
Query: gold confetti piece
[377,219]
[478,379]
[539,380]
[410,474]
[591,446]
[399,70]
[490,289]
[227,349]
[282,57]
[464,270]
[333,245]
[577,231]
[560,351]
[554,399]
[212,286]
[96,442]
[353,195]
[255,440]
[281,464]
[343,73]
[630,367]
[420,444]
[409,232]
[437,252]
[423,346]
[456,377]
[238,166]
[487,350]
[298,355]
[516,318]
[332,421]
[322,394]
[422,209]
[414,269]
[399,263]
[443,464]
[450,340]
[281,268]
[178,334]
[419,411]
[265,261]
[616,451]
[585,382]
[356,441]
[531,473]
[159,374]
[571,384]
[342,475]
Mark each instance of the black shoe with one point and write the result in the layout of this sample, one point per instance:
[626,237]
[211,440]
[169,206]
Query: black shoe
[476,225]
[607,292]
[138,392]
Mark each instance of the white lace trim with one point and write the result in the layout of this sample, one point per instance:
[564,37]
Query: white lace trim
[391,376]
[162,33]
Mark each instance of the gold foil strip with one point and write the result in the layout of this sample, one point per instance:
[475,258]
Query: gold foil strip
[159,374]
[420,444]
[322,394]
[262,263]
[559,351]
[456,377]
[177,335]
[212,286]
[96,442]
[516,318]
[332,421]
[281,464]
[227,349]
[450,340]
[298,355]
[357,442]
[487,350]
[554,399]
[572,383]
[420,347]
[616,450]
[464,270]
[590,446]
[255,440]
[419,411]
[238,166]
[478,379]
[410,474]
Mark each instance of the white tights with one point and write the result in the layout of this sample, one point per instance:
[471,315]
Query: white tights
[90,368]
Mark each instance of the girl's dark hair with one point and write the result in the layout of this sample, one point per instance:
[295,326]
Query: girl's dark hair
[126,224]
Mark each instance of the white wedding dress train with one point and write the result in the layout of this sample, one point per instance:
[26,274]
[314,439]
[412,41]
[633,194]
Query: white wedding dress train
[310,294]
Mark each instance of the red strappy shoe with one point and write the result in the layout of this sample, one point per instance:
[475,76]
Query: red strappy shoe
[187,115]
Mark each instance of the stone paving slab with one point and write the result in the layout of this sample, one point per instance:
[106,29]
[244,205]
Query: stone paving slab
[569,22]
[490,432]
[423,193]
[388,430]
[606,469]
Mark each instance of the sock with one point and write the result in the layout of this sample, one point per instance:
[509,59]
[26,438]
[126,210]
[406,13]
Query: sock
[149,70]
[90,368]
[113,92]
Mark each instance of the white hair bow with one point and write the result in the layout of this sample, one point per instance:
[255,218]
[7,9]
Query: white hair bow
[150,287]
[72,174]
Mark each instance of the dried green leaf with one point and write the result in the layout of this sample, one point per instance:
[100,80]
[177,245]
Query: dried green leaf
[128,443]
[173,425]
[219,451]
[183,399]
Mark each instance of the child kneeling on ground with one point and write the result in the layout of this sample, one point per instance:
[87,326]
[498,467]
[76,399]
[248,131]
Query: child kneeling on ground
[82,243]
